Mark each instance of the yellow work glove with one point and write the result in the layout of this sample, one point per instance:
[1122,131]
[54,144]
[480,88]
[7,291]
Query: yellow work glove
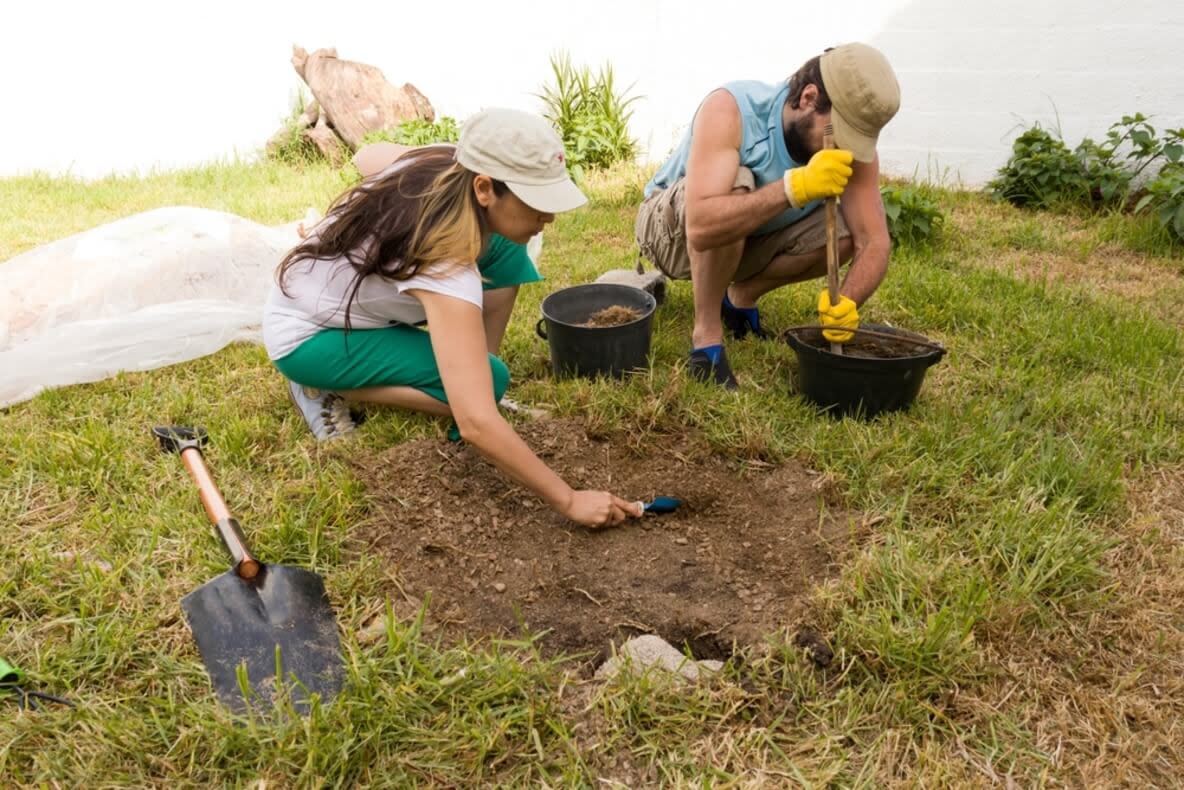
[837,319]
[824,176]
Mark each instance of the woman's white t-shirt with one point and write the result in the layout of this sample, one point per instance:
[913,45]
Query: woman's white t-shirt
[317,291]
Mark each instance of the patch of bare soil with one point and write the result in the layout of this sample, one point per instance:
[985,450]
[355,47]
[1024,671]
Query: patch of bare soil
[733,564]
[613,315]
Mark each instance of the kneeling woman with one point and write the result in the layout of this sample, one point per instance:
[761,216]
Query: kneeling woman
[401,249]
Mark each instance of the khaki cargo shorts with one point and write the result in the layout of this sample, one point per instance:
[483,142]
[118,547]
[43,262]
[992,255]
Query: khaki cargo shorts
[661,231]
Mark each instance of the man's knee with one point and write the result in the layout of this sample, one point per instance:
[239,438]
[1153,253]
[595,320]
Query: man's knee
[501,377]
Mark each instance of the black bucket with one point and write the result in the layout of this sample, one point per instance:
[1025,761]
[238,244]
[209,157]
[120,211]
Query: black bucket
[596,350]
[862,386]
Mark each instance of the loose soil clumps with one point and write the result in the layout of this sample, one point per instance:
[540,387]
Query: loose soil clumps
[733,564]
[614,315]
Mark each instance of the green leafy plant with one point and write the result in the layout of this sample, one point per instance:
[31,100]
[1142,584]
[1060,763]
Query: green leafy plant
[418,132]
[1041,173]
[291,146]
[1165,196]
[1113,167]
[590,115]
[913,218]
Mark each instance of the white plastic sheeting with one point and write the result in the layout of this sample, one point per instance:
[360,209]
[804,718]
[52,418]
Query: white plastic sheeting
[149,290]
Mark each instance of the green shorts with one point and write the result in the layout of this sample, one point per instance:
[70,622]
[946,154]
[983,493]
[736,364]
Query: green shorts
[401,355]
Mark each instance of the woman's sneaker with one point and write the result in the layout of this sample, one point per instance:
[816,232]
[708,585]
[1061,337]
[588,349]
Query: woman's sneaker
[326,413]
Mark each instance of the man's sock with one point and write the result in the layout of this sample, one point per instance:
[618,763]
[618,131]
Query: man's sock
[751,314]
[712,352]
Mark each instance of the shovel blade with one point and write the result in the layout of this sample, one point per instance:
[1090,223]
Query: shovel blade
[237,621]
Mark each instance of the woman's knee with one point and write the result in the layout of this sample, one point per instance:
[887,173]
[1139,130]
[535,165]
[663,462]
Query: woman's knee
[501,377]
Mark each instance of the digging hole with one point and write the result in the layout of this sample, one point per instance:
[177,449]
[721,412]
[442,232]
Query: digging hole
[703,646]
[733,564]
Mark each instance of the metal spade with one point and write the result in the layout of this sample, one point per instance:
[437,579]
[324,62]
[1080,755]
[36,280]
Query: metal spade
[272,621]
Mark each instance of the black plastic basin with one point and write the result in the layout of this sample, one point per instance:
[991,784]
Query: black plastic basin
[860,386]
[596,351]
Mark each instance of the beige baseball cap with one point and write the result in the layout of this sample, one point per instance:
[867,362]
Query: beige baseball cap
[523,151]
[864,95]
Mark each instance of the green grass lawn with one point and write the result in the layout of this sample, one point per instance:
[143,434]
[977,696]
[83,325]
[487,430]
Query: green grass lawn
[1017,612]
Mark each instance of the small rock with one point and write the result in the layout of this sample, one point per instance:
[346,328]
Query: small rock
[815,646]
[373,629]
[499,587]
[456,677]
[648,651]
[681,541]
[651,282]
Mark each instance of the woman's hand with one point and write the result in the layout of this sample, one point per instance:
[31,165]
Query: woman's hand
[458,342]
[599,509]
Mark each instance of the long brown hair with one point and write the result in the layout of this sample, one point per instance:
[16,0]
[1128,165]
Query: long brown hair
[396,226]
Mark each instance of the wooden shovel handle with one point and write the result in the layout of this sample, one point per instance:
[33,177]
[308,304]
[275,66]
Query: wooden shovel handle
[245,565]
[832,244]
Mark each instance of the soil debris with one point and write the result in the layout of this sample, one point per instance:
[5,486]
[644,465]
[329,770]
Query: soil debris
[867,347]
[613,315]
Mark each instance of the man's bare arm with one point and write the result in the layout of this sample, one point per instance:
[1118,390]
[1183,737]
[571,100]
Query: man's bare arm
[715,216]
[863,211]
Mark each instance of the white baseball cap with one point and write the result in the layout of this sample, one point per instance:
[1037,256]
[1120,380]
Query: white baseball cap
[524,152]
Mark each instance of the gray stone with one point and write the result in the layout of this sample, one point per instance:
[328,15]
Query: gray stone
[646,652]
[653,283]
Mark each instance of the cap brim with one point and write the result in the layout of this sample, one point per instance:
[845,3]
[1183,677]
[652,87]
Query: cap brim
[861,146]
[549,198]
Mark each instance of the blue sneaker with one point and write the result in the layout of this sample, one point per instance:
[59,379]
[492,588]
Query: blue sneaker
[710,365]
[326,413]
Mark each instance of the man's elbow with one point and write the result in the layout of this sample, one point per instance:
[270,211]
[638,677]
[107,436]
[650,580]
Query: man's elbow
[876,247]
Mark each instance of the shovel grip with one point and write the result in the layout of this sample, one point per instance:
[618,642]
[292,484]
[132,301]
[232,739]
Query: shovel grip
[245,565]
[832,241]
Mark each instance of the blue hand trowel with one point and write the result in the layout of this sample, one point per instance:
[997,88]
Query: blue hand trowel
[662,504]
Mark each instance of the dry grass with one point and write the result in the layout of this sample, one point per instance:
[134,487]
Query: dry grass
[1067,252]
[1104,696]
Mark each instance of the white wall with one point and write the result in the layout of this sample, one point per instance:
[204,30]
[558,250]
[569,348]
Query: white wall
[126,85]
[974,73]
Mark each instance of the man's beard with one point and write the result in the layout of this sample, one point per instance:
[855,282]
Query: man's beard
[795,138]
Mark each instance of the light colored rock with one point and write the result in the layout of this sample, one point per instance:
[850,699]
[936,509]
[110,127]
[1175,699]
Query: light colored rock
[373,629]
[653,283]
[326,141]
[643,653]
[355,97]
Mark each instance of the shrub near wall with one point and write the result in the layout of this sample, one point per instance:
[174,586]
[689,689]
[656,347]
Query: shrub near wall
[1133,166]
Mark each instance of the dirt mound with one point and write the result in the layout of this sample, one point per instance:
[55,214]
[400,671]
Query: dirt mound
[733,564]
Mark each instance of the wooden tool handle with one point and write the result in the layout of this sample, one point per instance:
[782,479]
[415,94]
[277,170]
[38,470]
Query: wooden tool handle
[832,242]
[245,565]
